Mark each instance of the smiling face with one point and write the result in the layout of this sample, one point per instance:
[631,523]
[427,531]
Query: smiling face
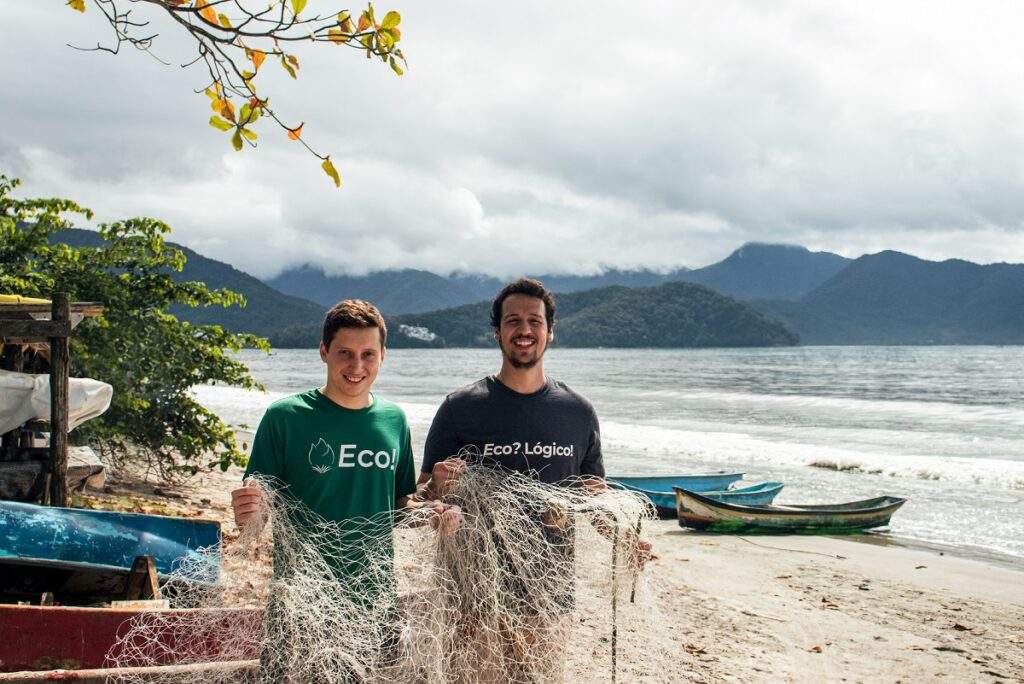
[353,360]
[523,334]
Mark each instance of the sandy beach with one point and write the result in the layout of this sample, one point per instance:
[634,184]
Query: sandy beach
[805,609]
[770,608]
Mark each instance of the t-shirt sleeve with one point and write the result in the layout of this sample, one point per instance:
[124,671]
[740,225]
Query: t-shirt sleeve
[405,473]
[267,455]
[593,460]
[442,441]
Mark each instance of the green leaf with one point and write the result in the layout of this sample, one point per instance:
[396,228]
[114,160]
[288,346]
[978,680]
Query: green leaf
[236,140]
[288,68]
[249,135]
[220,124]
[329,169]
[391,20]
[394,67]
[298,6]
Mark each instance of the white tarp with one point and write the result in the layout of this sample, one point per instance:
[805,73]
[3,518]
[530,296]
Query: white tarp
[27,397]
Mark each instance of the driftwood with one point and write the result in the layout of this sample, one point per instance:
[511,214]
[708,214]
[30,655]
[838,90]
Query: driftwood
[246,670]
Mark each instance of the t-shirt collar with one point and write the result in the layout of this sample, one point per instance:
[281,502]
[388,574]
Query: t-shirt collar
[505,388]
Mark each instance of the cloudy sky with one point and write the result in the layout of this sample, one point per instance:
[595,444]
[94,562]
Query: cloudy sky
[552,137]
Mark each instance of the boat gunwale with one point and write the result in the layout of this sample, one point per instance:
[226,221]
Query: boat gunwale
[890,502]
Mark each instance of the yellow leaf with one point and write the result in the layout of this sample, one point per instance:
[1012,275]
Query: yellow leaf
[250,135]
[335,35]
[298,6]
[391,20]
[219,123]
[294,61]
[329,169]
[236,140]
[227,110]
[224,21]
[394,67]
[295,133]
[257,58]
[206,12]
[364,22]
[77,5]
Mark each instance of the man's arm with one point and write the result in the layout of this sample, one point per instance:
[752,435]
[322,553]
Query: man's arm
[266,459]
[438,467]
[409,499]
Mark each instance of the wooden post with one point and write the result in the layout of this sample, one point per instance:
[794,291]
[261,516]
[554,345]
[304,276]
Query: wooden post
[59,371]
[142,582]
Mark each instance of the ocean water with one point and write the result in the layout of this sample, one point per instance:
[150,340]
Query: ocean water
[941,426]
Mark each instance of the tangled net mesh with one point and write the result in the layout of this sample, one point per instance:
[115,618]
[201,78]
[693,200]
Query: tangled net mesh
[536,578]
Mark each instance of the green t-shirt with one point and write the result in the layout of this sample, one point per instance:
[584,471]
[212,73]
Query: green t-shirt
[343,465]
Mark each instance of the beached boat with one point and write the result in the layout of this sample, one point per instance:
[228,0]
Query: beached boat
[659,488]
[83,555]
[47,637]
[701,512]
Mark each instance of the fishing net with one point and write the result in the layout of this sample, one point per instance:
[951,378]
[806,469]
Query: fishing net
[536,579]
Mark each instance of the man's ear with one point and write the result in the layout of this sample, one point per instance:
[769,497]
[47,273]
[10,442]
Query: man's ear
[323,352]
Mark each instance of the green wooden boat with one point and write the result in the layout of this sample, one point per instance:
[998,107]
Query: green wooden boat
[703,513]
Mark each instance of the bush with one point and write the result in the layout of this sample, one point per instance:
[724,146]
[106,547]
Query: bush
[151,358]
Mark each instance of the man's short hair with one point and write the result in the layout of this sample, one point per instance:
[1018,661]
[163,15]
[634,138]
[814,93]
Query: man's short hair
[353,313]
[530,288]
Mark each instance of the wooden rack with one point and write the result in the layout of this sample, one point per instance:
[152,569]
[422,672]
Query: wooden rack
[18,324]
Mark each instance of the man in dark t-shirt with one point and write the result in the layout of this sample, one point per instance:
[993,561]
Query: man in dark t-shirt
[551,434]
[520,420]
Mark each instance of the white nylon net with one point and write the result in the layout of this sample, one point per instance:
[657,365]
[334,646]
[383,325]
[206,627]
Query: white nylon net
[538,580]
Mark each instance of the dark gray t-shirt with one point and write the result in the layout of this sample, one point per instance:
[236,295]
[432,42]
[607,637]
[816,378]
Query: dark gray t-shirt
[552,434]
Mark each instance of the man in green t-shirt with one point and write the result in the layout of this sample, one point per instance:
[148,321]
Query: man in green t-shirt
[342,452]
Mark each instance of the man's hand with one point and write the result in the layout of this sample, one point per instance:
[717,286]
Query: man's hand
[642,553]
[246,502]
[444,475]
[446,519]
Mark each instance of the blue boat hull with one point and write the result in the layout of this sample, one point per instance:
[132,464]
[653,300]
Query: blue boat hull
[81,539]
[754,495]
[659,488]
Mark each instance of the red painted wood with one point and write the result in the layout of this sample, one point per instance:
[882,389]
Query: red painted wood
[52,637]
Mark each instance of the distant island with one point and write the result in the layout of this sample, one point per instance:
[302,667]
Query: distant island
[669,315]
[760,295]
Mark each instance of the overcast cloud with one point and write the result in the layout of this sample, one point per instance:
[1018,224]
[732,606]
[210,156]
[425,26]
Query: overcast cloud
[553,137]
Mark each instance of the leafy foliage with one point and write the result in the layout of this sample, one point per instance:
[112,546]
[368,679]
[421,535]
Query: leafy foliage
[150,357]
[265,309]
[233,44]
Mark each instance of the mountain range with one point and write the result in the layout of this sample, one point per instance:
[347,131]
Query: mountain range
[824,298]
[752,271]
[895,298]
